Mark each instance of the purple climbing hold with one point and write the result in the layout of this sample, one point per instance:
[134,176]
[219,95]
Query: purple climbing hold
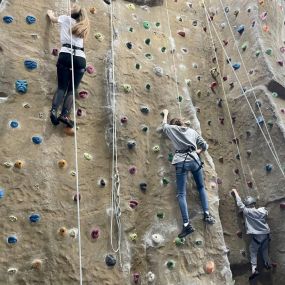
[136,277]
[132,170]
[90,69]
[95,233]
[83,94]
[54,52]
[124,120]
[133,204]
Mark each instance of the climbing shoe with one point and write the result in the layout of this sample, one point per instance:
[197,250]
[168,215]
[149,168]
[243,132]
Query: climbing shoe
[209,219]
[53,117]
[108,2]
[253,275]
[267,266]
[65,120]
[186,231]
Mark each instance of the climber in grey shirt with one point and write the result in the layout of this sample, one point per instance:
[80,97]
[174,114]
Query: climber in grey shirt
[257,227]
[187,144]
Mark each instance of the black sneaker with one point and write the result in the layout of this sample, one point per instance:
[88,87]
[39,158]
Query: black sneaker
[66,121]
[253,275]
[108,2]
[186,231]
[267,266]
[209,219]
[53,117]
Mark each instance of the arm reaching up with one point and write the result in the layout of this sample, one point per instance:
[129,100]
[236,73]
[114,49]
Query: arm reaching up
[52,17]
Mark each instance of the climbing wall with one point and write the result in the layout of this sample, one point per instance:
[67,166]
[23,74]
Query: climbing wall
[163,58]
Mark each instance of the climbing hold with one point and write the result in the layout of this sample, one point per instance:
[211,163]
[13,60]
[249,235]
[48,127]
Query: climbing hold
[95,233]
[268,51]
[69,131]
[160,215]
[227,9]
[282,49]
[223,25]
[21,86]
[127,88]
[225,78]
[260,120]
[92,10]
[129,45]
[213,85]
[12,270]
[221,119]
[143,186]
[163,49]
[99,37]
[258,103]
[72,173]
[265,28]
[214,72]
[63,231]
[30,20]
[210,267]
[225,42]
[2,193]
[280,62]
[90,69]
[219,102]
[199,93]
[147,87]
[270,123]
[198,242]
[158,71]
[209,122]
[249,184]
[37,139]
[147,41]
[236,12]
[244,46]
[238,156]
[132,170]
[268,167]
[73,233]
[19,164]
[75,197]
[34,218]
[133,236]
[87,156]
[181,33]
[124,120]
[257,53]
[170,264]
[131,6]
[83,94]
[236,171]
[179,241]
[144,109]
[239,234]
[110,260]
[165,181]
[131,29]
[148,56]
[170,157]
[282,205]
[221,159]
[14,124]
[263,16]
[236,66]
[12,239]
[131,144]
[144,128]
[136,277]
[180,98]
[79,112]
[146,25]
[13,219]
[37,264]
[157,24]
[8,19]
[248,152]
[157,239]
[156,148]
[62,163]
[219,181]
[54,52]
[241,29]
[133,204]
[194,65]
[30,64]
[150,277]
[138,66]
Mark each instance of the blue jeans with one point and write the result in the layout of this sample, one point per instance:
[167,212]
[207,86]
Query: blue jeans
[181,178]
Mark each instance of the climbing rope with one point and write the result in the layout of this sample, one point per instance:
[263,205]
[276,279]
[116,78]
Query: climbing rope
[243,92]
[251,86]
[227,105]
[75,151]
[115,195]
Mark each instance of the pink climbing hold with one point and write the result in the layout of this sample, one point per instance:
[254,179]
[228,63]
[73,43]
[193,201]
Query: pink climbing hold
[263,16]
[181,33]
[83,94]
[54,52]
[132,170]
[282,49]
[95,233]
[282,205]
[225,78]
[280,62]
[136,277]
[90,69]
[133,204]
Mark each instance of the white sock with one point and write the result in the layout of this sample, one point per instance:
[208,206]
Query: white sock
[207,212]
[186,224]
[253,268]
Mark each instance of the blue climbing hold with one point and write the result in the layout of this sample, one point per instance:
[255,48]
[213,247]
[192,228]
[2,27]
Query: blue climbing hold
[8,19]
[268,167]
[22,86]
[2,193]
[30,64]
[12,239]
[236,66]
[30,20]
[14,124]
[241,29]
[34,218]
[37,139]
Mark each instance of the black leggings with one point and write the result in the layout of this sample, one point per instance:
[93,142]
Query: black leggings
[64,77]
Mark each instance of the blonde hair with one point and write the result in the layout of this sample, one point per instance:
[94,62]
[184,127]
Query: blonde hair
[82,27]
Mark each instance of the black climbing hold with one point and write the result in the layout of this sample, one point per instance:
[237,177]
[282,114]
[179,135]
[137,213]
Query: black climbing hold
[148,56]
[131,29]
[163,49]
[131,144]
[143,186]
[110,260]
[157,24]
[129,45]
[219,102]
[248,152]
[268,167]
[138,66]
[145,110]
[258,103]
[147,41]
[238,157]
[148,87]
[241,29]
[102,183]
[195,23]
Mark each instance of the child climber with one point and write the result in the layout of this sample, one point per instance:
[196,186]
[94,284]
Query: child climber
[80,29]
[188,145]
[257,227]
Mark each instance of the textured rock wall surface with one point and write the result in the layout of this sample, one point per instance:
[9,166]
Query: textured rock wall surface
[163,59]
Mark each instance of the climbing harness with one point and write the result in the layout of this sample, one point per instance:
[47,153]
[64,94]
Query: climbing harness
[74,48]
[268,238]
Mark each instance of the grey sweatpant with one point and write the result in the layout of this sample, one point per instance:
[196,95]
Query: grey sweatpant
[259,242]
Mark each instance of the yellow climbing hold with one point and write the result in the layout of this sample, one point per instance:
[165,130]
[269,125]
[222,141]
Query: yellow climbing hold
[13,219]
[99,37]
[156,148]
[131,6]
[87,156]
[133,236]
[127,88]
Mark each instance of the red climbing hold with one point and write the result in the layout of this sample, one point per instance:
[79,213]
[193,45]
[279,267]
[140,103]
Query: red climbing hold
[225,78]
[95,233]
[222,120]
[133,204]
[54,52]
[282,205]
[213,85]
[181,33]
[225,42]
[280,62]
[136,277]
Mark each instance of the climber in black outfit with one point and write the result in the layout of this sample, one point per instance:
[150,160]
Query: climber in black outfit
[80,30]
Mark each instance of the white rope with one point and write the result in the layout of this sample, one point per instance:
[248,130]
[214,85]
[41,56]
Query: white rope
[115,199]
[225,52]
[173,59]
[246,72]
[226,100]
[75,151]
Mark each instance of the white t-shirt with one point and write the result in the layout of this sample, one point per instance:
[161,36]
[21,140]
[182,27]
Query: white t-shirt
[65,36]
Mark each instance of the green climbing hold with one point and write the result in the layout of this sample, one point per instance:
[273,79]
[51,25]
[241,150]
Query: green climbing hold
[146,25]
[257,53]
[170,157]
[133,236]
[170,264]
[163,49]
[87,156]
[160,215]
[148,56]
[147,41]
[269,51]
[157,24]
[179,241]
[165,181]
[274,94]
[270,123]
[99,37]
[198,93]
[180,98]
[127,88]
[156,148]
[244,46]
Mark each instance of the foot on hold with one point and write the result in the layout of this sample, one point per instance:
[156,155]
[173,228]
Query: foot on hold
[253,275]
[53,117]
[108,2]
[65,120]
[267,266]
[209,219]
[186,231]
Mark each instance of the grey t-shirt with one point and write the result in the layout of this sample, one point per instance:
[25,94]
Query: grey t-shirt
[255,219]
[182,138]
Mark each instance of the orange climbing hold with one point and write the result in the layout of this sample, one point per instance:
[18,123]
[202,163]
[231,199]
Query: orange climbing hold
[19,164]
[37,264]
[69,131]
[210,267]
[63,231]
[62,163]
[92,10]
[265,28]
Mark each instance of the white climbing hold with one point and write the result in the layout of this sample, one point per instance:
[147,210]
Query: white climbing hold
[13,219]
[223,25]
[157,238]
[12,271]
[73,233]
[150,276]
[87,156]
[158,71]
[8,164]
